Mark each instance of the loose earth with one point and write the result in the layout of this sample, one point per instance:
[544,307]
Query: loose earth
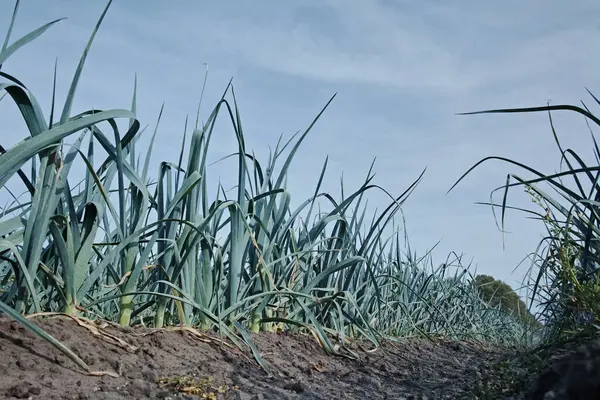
[176,363]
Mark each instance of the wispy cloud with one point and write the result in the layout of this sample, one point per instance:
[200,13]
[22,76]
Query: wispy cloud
[415,48]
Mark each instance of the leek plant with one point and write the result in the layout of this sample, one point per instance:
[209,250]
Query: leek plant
[564,276]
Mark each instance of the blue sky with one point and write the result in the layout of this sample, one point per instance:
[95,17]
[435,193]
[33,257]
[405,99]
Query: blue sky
[402,70]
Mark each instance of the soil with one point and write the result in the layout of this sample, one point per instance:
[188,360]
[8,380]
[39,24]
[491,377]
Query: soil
[180,363]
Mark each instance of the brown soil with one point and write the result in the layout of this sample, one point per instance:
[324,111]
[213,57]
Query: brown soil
[187,364]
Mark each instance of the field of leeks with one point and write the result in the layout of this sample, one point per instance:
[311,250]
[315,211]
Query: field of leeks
[120,247]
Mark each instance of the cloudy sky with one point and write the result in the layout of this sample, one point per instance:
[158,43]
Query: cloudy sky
[402,70]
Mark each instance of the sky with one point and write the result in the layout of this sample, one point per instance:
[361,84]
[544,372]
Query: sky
[402,70]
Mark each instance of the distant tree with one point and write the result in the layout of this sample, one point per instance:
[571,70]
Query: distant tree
[494,292]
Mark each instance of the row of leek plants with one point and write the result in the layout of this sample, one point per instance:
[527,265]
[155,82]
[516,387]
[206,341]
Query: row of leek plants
[117,246]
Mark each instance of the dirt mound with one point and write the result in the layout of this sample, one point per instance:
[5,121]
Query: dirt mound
[180,363]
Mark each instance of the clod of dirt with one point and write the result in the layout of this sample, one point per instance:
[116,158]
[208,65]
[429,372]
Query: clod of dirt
[575,375]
